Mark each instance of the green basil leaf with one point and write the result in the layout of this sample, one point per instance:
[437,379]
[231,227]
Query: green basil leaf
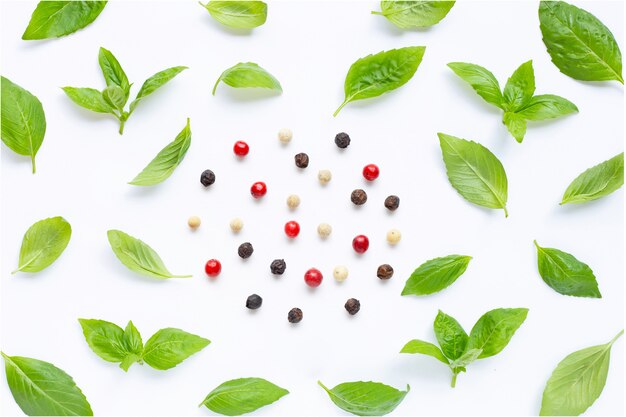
[155,82]
[577,381]
[89,98]
[23,120]
[43,243]
[248,75]
[436,274]
[366,398]
[465,359]
[493,331]
[114,97]
[450,335]
[138,256]
[166,161]
[579,44]
[42,389]
[243,395]
[414,13]
[378,74]
[565,274]
[596,182]
[53,19]
[169,347]
[515,124]
[238,14]
[112,71]
[520,87]
[424,348]
[133,339]
[481,80]
[547,106]
[474,172]
[106,339]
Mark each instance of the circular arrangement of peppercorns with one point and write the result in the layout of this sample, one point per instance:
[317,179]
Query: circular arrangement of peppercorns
[302,160]
[207,177]
[294,315]
[352,306]
[342,140]
[278,266]
[385,271]
[392,202]
[358,197]
[245,250]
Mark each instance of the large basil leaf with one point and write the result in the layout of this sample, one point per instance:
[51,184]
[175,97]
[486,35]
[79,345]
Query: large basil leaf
[248,75]
[89,98]
[596,182]
[238,14]
[43,243]
[519,88]
[243,395]
[155,82]
[414,13]
[53,19]
[424,348]
[106,339]
[450,335]
[168,347]
[493,331]
[113,72]
[436,274]
[366,398]
[481,80]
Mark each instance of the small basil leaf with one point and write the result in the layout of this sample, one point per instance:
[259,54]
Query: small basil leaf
[481,80]
[53,19]
[243,395]
[424,348]
[166,161]
[465,359]
[42,389]
[579,44]
[132,338]
[436,274]
[366,398]
[493,331]
[596,182]
[450,335]
[414,13]
[565,274]
[106,339]
[169,347]
[547,106]
[380,73]
[89,98]
[475,172]
[520,87]
[138,256]
[515,124]
[155,82]
[43,243]
[112,71]
[115,97]
[238,14]
[248,75]
[23,122]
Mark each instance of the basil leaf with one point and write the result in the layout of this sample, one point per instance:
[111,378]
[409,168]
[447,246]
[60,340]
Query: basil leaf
[166,161]
[565,274]
[579,44]
[243,395]
[42,389]
[106,339]
[547,106]
[248,75]
[112,71]
[89,98]
[596,182]
[43,243]
[155,82]
[414,13]
[481,80]
[378,74]
[515,124]
[577,381]
[366,398]
[465,359]
[169,347]
[474,172]
[238,14]
[424,348]
[493,331]
[450,335]
[520,87]
[23,120]
[138,256]
[134,343]
[53,19]
[114,97]
[436,274]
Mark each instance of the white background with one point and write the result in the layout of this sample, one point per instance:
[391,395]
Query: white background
[84,165]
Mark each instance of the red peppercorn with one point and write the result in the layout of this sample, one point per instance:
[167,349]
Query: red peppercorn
[241,148]
[371,172]
[360,243]
[213,267]
[292,229]
[258,189]
[313,277]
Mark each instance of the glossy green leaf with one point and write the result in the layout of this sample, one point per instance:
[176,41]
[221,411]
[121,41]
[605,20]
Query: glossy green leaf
[134,343]
[115,97]
[366,398]
[424,348]
[579,44]
[112,71]
[53,19]
[168,347]
[515,124]
[42,389]
[547,106]
[377,74]
[436,274]
[565,274]
[481,80]
[23,122]
[493,331]
[596,182]
[155,82]
[451,336]
[519,88]
[43,243]
[465,359]
[108,341]
[248,75]
[414,13]
[238,14]
[89,98]
[243,395]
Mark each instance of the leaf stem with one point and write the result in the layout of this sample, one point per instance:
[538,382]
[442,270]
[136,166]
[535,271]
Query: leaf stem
[453,382]
[616,337]
[340,107]
[32,159]
[379,13]
[122,122]
[506,212]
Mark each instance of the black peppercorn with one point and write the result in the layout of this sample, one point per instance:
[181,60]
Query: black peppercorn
[295,315]
[302,160]
[392,202]
[342,140]
[358,197]
[254,301]
[245,250]
[207,178]
[278,266]
[352,306]
[385,271]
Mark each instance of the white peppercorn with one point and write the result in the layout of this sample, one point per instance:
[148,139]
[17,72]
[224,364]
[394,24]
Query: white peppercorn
[324,176]
[324,230]
[293,201]
[393,236]
[340,273]
[236,224]
[285,135]
[193,222]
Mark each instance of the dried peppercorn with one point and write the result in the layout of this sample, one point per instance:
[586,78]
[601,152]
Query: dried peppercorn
[285,135]
[324,230]
[313,277]
[194,222]
[213,267]
[358,197]
[342,140]
[392,202]
[352,306]
[385,271]
[294,315]
[360,244]
[254,301]
[207,177]
[370,172]
[324,176]
[394,236]
[245,250]
[278,266]
[302,160]
[258,189]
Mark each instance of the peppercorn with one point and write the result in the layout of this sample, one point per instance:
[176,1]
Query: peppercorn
[236,224]
[285,135]
[241,148]
[340,273]
[393,236]
[371,172]
[392,202]
[278,266]
[302,160]
[324,230]
[254,301]
[292,229]
[324,176]
[245,250]
[207,178]
[358,197]
[294,315]
[360,243]
[293,201]
[342,140]
[213,267]
[258,189]
[313,277]
[385,271]
[193,222]
[352,306]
